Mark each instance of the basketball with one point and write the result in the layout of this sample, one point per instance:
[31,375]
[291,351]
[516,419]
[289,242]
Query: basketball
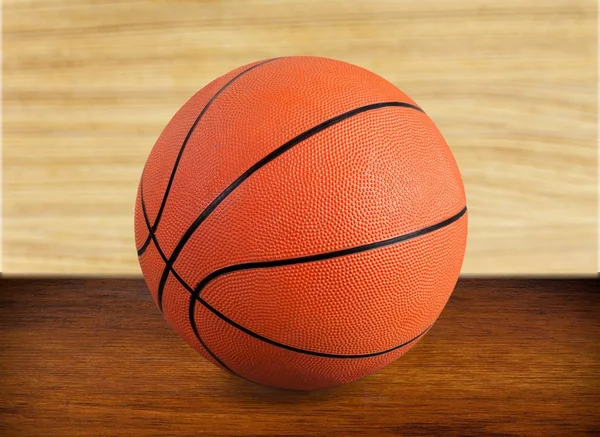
[301,222]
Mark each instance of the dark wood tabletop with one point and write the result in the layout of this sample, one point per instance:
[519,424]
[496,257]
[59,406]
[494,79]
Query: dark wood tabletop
[94,357]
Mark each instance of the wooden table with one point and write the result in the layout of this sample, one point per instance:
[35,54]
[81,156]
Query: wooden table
[94,357]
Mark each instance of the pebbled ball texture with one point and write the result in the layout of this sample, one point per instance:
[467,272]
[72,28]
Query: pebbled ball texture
[301,222]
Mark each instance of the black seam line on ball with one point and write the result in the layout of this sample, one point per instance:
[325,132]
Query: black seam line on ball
[154,227]
[295,349]
[327,255]
[196,333]
[264,161]
[301,260]
[196,293]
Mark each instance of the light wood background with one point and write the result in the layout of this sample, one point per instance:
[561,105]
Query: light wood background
[89,85]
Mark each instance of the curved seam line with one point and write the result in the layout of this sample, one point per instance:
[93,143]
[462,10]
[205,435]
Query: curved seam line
[154,227]
[358,249]
[196,297]
[326,255]
[303,351]
[202,343]
[303,260]
[261,163]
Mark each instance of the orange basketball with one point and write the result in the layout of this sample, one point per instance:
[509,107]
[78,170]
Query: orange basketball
[301,222]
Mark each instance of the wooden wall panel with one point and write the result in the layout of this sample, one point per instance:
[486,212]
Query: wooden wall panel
[88,86]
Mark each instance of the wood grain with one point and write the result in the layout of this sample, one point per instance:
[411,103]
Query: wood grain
[88,86]
[94,357]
